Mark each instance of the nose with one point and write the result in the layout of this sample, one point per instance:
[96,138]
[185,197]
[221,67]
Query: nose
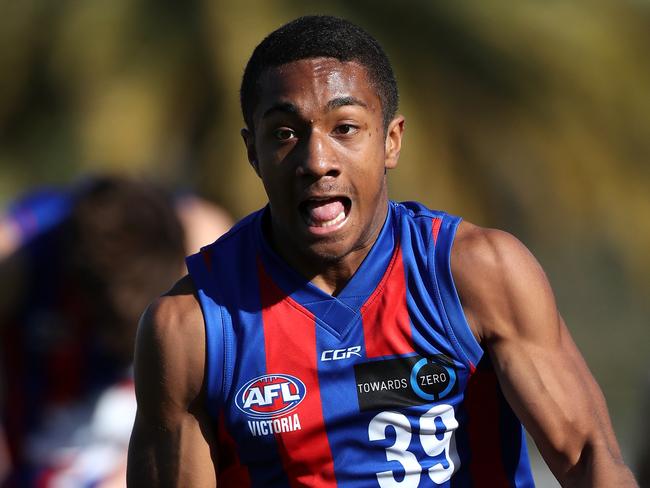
[319,159]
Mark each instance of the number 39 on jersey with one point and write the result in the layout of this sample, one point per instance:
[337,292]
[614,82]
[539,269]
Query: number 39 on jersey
[436,435]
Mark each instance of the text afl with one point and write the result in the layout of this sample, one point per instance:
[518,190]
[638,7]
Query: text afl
[270,395]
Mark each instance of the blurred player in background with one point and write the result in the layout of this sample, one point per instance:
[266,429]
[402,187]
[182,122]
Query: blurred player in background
[77,267]
[202,221]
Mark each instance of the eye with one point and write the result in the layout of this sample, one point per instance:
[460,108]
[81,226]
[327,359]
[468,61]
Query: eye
[346,129]
[284,134]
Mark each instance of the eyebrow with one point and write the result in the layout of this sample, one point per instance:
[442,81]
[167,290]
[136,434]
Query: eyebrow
[285,107]
[343,101]
[335,103]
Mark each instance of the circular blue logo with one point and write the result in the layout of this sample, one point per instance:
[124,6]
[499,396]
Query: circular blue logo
[432,380]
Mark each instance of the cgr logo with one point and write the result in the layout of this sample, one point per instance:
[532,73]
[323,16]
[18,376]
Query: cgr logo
[270,395]
[336,354]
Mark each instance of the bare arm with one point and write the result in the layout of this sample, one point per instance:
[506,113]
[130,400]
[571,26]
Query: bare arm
[171,440]
[510,306]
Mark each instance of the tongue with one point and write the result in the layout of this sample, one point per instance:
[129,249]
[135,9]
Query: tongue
[325,210]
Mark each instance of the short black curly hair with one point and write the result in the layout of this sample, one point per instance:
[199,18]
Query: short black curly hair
[315,36]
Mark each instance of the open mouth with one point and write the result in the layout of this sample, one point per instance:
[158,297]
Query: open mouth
[325,213]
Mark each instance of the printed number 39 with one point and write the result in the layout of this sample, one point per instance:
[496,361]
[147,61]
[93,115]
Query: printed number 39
[437,427]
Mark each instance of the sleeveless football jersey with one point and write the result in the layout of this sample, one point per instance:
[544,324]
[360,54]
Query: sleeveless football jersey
[383,385]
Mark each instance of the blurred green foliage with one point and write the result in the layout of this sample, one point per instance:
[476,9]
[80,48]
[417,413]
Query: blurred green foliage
[529,116]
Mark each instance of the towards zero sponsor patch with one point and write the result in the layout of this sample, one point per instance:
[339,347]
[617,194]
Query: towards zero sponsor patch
[403,382]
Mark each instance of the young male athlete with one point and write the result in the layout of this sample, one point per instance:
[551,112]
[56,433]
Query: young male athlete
[336,338]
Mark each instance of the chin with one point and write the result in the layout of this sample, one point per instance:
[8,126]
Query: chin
[328,252]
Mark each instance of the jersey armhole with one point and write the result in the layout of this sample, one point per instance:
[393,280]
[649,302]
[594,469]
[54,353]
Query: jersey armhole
[214,319]
[453,316]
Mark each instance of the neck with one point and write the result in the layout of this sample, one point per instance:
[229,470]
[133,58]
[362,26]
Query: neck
[330,274]
[333,278]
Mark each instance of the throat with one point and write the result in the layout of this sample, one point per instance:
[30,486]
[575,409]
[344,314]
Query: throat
[329,274]
[328,263]
[332,282]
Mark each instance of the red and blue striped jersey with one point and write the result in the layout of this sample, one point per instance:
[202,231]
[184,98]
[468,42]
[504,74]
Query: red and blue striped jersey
[382,385]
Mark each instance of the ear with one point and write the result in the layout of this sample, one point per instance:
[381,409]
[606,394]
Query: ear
[393,142]
[249,141]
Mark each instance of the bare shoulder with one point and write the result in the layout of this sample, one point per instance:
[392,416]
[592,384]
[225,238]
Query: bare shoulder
[170,348]
[497,279]
[177,312]
[172,438]
[493,253]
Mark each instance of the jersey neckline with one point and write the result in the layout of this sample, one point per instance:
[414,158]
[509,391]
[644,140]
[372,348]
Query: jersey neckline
[338,312]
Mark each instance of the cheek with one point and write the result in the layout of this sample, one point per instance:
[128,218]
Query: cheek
[370,186]
[272,184]
[270,151]
[279,192]
[376,162]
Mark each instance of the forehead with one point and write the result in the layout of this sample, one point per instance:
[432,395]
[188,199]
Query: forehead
[311,84]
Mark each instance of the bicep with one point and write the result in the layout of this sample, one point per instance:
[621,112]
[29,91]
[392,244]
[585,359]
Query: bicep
[543,375]
[172,436]
[547,383]
[172,452]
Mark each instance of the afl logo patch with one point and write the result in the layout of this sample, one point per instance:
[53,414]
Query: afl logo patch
[270,395]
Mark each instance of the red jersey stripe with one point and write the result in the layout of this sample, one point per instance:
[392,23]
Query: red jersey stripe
[289,338]
[482,403]
[386,322]
[230,471]
[435,228]
[207,258]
